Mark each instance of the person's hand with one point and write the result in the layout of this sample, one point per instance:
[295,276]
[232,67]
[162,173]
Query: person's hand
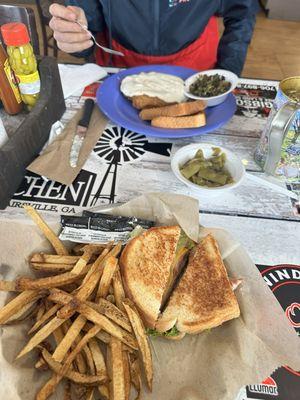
[70,37]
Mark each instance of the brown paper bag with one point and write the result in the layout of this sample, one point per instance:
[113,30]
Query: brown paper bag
[54,163]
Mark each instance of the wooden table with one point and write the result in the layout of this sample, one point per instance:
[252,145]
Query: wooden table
[264,221]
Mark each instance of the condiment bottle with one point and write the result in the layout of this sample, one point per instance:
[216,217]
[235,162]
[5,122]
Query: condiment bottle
[22,61]
[9,91]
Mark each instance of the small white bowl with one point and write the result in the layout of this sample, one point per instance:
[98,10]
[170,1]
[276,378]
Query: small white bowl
[214,100]
[233,165]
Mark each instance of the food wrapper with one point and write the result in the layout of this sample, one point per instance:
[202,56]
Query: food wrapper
[212,365]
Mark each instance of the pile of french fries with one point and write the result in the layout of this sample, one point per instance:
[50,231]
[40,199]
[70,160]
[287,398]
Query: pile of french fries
[85,330]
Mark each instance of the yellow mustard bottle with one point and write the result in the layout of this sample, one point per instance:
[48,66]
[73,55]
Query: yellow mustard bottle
[22,61]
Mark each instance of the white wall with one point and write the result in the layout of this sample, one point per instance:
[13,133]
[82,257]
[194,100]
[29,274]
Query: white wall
[284,9]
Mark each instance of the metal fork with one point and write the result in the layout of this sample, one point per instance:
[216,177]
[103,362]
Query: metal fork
[106,49]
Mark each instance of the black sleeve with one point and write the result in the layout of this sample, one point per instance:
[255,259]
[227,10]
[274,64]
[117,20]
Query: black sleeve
[94,16]
[239,19]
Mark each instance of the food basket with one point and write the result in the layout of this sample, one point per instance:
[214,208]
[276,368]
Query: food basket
[31,135]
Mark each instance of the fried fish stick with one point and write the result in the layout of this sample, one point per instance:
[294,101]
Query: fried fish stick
[144,101]
[175,110]
[191,121]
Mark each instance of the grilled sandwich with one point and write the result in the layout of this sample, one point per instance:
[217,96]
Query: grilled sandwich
[178,286]
[204,297]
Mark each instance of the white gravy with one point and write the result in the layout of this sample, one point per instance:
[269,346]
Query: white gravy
[168,88]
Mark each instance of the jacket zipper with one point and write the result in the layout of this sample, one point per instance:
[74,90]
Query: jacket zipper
[156,24]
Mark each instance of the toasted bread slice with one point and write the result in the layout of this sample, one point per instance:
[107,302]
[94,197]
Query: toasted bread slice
[191,121]
[146,264]
[144,101]
[175,110]
[204,297]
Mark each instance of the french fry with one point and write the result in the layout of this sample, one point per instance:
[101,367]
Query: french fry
[89,358]
[105,255]
[104,337]
[41,310]
[26,283]
[53,259]
[99,365]
[87,287]
[126,373]
[112,312]
[84,291]
[118,390]
[119,292]
[79,360]
[26,311]
[135,374]
[99,319]
[68,339]
[97,248]
[90,394]
[80,345]
[83,261]
[47,231]
[82,379]
[58,335]
[41,335]
[8,286]
[90,281]
[80,247]
[116,250]
[142,339]
[49,387]
[107,325]
[104,391]
[103,307]
[105,281]
[62,370]
[56,322]
[16,304]
[89,252]
[48,314]
[51,268]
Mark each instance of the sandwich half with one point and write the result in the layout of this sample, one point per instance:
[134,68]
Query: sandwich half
[147,266]
[204,297]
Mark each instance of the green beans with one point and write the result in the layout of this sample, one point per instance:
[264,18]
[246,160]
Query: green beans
[210,172]
[209,85]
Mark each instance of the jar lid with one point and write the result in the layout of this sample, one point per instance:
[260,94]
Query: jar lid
[15,34]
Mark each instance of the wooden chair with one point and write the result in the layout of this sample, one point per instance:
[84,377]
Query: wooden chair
[45,16]
[10,13]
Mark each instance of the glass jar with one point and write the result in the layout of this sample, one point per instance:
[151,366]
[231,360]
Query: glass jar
[22,61]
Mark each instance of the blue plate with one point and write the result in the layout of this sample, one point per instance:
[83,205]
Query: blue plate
[120,110]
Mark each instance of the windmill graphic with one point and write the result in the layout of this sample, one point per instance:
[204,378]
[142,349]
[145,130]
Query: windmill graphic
[118,146]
